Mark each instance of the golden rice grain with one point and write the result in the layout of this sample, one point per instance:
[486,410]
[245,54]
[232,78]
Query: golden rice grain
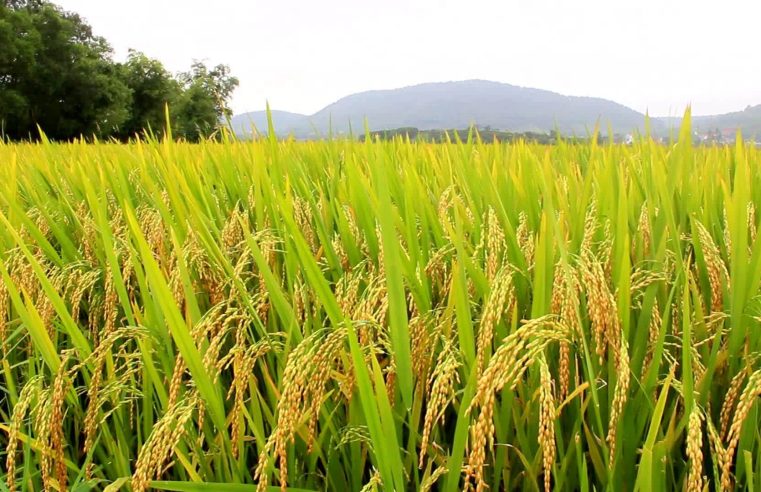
[546,422]
[495,244]
[441,388]
[304,380]
[565,301]
[730,399]
[501,298]
[747,398]
[695,451]
[752,227]
[4,313]
[644,229]
[620,396]
[28,394]
[159,446]
[526,240]
[431,480]
[653,335]
[601,305]
[506,368]
[718,275]
[374,484]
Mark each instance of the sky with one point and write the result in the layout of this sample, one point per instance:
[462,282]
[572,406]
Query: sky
[651,55]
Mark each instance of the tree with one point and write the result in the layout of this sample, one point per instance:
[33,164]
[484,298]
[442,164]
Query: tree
[203,103]
[153,88]
[56,74]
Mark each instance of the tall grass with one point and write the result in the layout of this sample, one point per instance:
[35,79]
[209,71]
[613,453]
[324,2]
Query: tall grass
[393,315]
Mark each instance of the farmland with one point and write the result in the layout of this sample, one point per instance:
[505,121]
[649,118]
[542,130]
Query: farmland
[391,315]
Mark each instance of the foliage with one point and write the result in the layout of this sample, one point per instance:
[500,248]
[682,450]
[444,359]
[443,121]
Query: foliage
[203,102]
[57,75]
[153,89]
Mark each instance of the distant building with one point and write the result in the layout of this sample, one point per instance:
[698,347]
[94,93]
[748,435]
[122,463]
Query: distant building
[728,135]
[717,136]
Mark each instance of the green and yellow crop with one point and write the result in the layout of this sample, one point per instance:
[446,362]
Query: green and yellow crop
[344,315]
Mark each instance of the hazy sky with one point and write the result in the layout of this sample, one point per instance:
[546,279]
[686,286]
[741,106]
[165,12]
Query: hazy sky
[302,55]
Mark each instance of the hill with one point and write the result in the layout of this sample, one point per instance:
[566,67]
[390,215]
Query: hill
[492,105]
[749,121]
[479,102]
[283,121]
[456,105]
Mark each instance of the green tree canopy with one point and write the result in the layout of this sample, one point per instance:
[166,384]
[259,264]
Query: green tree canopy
[203,103]
[56,74]
[153,88]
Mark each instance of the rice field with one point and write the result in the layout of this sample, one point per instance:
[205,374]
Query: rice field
[344,315]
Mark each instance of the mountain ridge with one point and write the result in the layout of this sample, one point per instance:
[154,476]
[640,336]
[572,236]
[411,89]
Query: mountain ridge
[484,103]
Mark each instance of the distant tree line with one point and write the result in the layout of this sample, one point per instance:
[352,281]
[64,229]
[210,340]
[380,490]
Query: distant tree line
[58,76]
[489,135]
[486,135]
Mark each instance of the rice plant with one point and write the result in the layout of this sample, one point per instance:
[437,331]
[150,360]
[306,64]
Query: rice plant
[387,315]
